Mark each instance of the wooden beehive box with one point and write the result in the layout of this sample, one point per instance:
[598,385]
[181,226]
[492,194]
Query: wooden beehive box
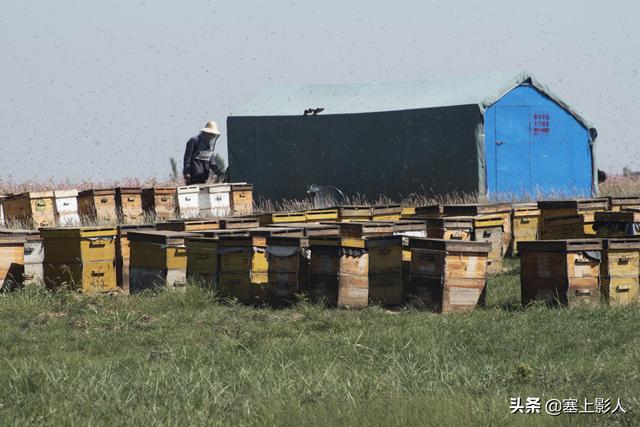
[2,223]
[189,224]
[66,207]
[241,198]
[616,224]
[564,272]
[188,201]
[489,228]
[160,202]
[158,259]
[202,259]
[354,213]
[428,212]
[129,205]
[356,272]
[408,212]
[313,229]
[11,261]
[282,217]
[81,258]
[33,253]
[97,205]
[386,213]
[525,223]
[236,222]
[448,275]
[623,203]
[123,252]
[620,271]
[552,209]
[365,228]
[322,215]
[30,209]
[480,210]
[288,271]
[450,228]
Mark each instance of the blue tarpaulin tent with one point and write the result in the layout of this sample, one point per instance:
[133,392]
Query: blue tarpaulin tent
[498,134]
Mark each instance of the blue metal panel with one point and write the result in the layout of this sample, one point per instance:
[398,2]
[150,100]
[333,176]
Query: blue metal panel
[525,124]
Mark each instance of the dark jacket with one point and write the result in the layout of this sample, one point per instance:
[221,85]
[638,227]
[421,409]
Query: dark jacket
[199,159]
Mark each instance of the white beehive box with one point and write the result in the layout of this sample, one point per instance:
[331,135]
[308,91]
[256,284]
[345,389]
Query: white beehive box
[33,260]
[66,207]
[1,212]
[188,206]
[215,200]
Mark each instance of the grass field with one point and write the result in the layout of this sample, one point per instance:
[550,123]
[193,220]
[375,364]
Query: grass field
[184,358]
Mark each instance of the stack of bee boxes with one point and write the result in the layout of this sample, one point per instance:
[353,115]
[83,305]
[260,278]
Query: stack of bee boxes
[564,272]
[98,205]
[66,207]
[450,228]
[356,271]
[188,206]
[448,275]
[81,258]
[215,200]
[484,214]
[129,205]
[288,271]
[33,253]
[620,273]
[617,224]
[123,253]
[525,223]
[11,261]
[623,203]
[241,198]
[160,202]
[158,259]
[30,209]
[569,219]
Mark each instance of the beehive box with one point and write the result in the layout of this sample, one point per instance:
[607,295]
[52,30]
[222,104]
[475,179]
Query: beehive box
[97,205]
[525,223]
[322,215]
[564,272]
[450,228]
[282,217]
[448,275]
[189,224]
[365,228]
[552,209]
[81,258]
[158,259]
[123,252]
[617,224]
[408,212]
[480,210]
[160,201]
[11,261]
[202,259]
[623,203]
[312,229]
[428,212]
[489,228]
[66,207]
[243,263]
[408,229]
[33,253]
[620,271]
[188,206]
[30,209]
[356,272]
[354,213]
[129,205]
[241,198]
[2,223]
[237,222]
[215,200]
[288,271]
[387,212]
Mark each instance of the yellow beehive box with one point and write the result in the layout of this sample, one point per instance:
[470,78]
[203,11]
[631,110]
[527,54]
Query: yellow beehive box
[81,258]
[237,222]
[448,275]
[190,225]
[564,272]
[450,228]
[202,259]
[408,212]
[386,213]
[355,213]
[550,209]
[356,272]
[322,215]
[428,212]
[241,198]
[620,271]
[282,217]
[129,205]
[616,224]
[123,252]
[288,275]
[313,229]
[160,202]
[11,261]
[97,205]
[479,210]
[617,204]
[525,223]
[562,228]
[489,228]
[30,209]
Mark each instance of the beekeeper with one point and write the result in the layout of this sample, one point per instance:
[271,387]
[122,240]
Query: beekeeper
[198,157]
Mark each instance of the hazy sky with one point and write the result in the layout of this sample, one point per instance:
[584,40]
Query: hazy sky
[111,89]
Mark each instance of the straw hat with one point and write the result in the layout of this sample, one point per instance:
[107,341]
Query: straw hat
[211,127]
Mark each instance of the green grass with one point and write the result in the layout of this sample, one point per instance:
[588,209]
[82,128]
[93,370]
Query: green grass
[183,358]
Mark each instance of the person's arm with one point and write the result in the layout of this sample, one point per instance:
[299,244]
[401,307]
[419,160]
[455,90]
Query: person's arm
[188,153]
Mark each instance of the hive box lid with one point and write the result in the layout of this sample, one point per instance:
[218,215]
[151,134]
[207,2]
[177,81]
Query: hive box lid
[429,210]
[365,228]
[241,186]
[60,194]
[570,245]
[77,232]
[626,200]
[288,241]
[451,222]
[32,195]
[601,203]
[239,222]
[164,237]
[215,188]
[621,216]
[356,242]
[622,243]
[276,231]
[159,190]
[406,225]
[386,209]
[188,189]
[449,245]
[476,209]
[128,190]
[98,192]
[124,229]
[218,233]
[355,210]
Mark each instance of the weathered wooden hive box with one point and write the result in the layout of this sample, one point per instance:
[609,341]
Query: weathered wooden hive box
[489,228]
[386,213]
[620,271]
[66,207]
[355,213]
[564,272]
[98,205]
[123,252]
[188,197]
[244,266]
[562,219]
[408,212]
[481,210]
[356,272]
[158,259]
[450,228]
[623,203]
[35,208]
[359,229]
[160,201]
[448,275]
[282,217]
[237,222]
[617,224]
[202,259]
[214,200]
[313,229]
[11,261]
[2,223]
[81,258]
[525,223]
[241,198]
[129,205]
[189,224]
[322,215]
[408,229]
[33,253]
[428,212]
[288,271]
